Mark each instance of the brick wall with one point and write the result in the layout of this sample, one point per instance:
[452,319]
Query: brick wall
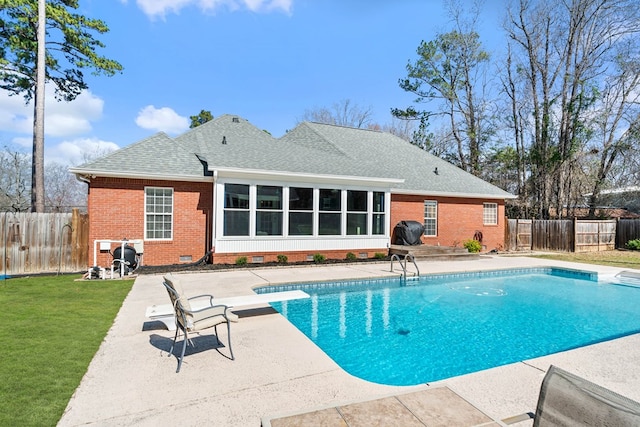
[458,219]
[116,211]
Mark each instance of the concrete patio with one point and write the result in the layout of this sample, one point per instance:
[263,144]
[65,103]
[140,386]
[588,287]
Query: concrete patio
[278,370]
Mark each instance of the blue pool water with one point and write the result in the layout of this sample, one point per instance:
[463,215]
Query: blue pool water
[405,333]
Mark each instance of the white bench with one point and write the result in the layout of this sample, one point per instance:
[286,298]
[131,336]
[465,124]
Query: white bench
[164,312]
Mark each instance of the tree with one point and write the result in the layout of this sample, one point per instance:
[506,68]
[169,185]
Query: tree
[343,113]
[14,181]
[564,50]
[202,118]
[616,127]
[450,70]
[63,190]
[69,50]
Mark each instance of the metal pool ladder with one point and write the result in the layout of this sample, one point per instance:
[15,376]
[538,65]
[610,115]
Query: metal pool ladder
[404,266]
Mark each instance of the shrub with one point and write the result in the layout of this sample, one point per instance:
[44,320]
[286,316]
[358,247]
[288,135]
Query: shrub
[282,259]
[351,256]
[319,258]
[241,260]
[379,255]
[634,245]
[472,246]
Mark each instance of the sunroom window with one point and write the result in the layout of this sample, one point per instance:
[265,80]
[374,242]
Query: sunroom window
[378,213]
[356,212]
[300,211]
[329,218]
[236,210]
[268,210]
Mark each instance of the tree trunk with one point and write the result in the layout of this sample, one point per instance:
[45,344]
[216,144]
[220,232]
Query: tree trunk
[37,169]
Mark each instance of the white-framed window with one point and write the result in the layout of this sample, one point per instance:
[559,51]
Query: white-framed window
[330,216]
[490,213]
[430,218]
[378,226]
[158,213]
[300,211]
[268,210]
[257,210]
[357,205]
[236,210]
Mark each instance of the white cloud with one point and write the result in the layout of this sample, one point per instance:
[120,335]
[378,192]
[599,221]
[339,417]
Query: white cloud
[160,8]
[80,150]
[61,118]
[161,119]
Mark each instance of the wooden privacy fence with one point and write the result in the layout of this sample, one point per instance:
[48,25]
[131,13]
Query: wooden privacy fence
[43,242]
[569,235]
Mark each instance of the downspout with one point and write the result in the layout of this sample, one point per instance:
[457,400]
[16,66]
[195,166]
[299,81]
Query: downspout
[83,178]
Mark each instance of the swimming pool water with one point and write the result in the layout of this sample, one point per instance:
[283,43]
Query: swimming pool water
[396,333]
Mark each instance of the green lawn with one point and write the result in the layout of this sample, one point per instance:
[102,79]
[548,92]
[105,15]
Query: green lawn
[50,328]
[622,259]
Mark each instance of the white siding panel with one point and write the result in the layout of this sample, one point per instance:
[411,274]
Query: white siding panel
[314,245]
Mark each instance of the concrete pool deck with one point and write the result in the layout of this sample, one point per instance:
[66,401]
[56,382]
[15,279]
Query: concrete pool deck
[132,381]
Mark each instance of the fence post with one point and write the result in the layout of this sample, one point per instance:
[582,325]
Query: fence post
[75,227]
[575,234]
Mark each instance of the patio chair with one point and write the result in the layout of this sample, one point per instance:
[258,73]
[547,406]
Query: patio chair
[190,321]
[568,400]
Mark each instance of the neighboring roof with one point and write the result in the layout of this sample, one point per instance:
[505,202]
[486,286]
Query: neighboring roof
[311,149]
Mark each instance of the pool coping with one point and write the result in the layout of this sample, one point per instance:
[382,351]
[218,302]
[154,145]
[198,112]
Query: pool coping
[132,381]
[571,273]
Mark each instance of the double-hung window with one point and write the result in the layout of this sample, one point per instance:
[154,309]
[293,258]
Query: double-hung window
[378,213]
[158,213]
[300,211]
[236,210]
[356,212]
[430,218]
[330,215]
[268,210]
[490,213]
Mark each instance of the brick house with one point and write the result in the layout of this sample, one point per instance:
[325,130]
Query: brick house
[232,189]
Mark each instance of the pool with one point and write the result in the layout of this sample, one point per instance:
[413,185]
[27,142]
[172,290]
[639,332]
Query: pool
[397,332]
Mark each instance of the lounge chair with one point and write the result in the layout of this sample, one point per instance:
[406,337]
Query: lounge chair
[568,400]
[189,321]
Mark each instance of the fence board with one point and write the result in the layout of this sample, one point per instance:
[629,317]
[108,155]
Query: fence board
[570,235]
[627,229]
[43,242]
[553,235]
[595,235]
[518,234]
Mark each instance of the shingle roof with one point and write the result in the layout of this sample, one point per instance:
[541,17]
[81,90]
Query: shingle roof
[231,142]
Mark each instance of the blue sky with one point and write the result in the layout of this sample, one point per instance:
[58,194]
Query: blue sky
[265,60]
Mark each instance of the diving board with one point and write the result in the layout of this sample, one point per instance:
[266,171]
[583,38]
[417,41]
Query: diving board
[164,312]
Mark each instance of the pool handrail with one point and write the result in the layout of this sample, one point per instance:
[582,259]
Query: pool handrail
[404,266]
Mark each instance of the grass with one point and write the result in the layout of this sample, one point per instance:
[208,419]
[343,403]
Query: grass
[618,258]
[50,328]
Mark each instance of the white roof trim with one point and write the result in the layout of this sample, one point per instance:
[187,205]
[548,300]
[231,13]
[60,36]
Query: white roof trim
[447,194]
[156,177]
[307,177]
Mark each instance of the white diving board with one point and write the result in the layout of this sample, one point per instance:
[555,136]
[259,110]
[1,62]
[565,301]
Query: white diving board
[164,312]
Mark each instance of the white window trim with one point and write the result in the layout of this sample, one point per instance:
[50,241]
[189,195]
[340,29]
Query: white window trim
[316,210]
[146,237]
[435,219]
[494,213]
